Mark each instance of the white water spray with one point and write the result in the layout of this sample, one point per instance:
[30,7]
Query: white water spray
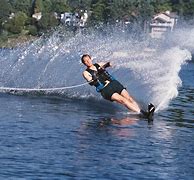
[150,74]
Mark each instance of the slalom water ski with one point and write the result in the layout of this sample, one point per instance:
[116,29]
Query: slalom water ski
[149,114]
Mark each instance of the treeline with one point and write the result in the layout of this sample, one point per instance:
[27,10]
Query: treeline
[16,15]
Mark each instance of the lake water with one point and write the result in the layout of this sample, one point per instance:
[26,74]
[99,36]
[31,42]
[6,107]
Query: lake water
[59,136]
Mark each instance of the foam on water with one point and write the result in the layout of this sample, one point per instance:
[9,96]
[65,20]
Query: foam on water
[151,74]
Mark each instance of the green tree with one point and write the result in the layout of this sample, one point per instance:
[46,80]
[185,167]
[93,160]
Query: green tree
[98,11]
[178,6]
[23,6]
[77,5]
[161,5]
[74,4]
[86,4]
[121,9]
[5,11]
[47,21]
[17,23]
[189,10]
[185,8]
[38,6]
[60,6]
[47,6]
[32,30]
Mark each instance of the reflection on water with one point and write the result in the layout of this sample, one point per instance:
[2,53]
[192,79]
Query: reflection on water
[118,127]
[126,121]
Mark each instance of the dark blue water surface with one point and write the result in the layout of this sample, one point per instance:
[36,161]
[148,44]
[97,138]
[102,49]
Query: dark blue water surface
[48,137]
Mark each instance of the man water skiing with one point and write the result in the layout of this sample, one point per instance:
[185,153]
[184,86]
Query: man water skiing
[110,88]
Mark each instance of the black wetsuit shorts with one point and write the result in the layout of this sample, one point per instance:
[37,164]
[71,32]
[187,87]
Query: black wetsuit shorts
[113,87]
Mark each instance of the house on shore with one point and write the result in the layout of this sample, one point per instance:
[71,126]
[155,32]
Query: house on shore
[74,19]
[163,23]
[68,18]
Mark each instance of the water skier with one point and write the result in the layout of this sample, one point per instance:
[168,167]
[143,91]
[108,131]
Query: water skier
[110,88]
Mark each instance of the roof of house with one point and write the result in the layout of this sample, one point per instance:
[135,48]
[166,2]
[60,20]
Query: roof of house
[168,14]
[171,14]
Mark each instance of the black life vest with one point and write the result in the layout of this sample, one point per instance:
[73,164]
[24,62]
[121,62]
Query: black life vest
[99,77]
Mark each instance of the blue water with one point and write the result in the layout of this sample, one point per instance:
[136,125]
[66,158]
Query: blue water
[56,137]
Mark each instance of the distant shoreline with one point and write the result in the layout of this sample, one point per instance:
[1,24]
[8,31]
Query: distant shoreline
[13,42]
